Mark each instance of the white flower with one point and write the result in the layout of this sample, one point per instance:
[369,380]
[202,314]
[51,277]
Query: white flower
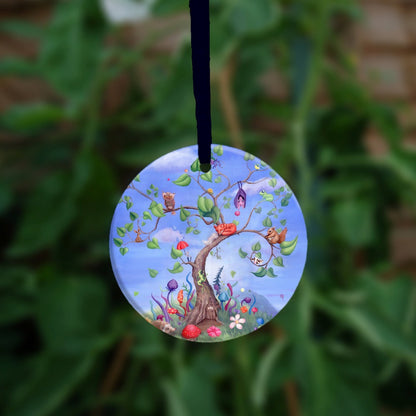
[237,321]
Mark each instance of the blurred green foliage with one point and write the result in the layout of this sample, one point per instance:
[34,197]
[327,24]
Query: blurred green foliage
[70,343]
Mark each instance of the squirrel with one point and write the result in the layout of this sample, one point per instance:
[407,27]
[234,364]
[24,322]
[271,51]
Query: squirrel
[273,237]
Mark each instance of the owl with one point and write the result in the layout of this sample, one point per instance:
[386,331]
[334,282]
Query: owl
[169,198]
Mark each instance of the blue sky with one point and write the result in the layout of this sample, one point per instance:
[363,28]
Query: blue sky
[131,270]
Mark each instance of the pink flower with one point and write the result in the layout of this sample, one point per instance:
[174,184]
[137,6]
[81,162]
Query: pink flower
[254,310]
[213,331]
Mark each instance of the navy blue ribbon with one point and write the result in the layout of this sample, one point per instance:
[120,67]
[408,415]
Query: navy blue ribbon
[199,10]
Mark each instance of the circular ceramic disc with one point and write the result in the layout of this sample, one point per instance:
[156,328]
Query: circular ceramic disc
[208,256]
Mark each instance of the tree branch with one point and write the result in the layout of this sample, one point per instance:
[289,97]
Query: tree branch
[131,186]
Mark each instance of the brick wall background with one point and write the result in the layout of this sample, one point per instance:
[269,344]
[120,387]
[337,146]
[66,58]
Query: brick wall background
[384,46]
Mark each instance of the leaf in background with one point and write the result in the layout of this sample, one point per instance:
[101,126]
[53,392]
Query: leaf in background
[124,250]
[48,213]
[31,117]
[64,312]
[52,382]
[354,221]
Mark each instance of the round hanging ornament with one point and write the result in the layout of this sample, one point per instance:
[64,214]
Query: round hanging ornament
[208,242]
[208,256]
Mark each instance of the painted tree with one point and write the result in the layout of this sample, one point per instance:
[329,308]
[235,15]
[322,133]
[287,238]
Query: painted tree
[209,211]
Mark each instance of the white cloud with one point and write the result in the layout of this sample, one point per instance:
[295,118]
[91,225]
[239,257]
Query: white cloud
[168,235]
[182,157]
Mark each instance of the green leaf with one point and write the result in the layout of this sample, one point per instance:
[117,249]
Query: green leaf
[258,210]
[118,242]
[232,273]
[272,173]
[177,268]
[256,246]
[227,205]
[284,202]
[183,180]
[215,214]
[278,261]
[137,178]
[174,253]
[121,231]
[218,179]
[133,215]
[184,214]
[267,222]
[287,247]
[123,250]
[218,150]
[283,222]
[135,293]
[205,206]
[196,232]
[147,215]
[261,272]
[157,210]
[189,230]
[273,182]
[195,167]
[247,156]
[207,176]
[153,244]
[129,205]
[153,272]
[242,253]
[270,272]
[129,226]
[148,191]
[31,117]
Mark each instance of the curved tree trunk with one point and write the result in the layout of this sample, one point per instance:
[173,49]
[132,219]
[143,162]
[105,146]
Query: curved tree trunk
[205,312]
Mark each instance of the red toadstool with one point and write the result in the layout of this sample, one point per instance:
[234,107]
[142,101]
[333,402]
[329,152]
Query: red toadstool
[191,331]
[182,245]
